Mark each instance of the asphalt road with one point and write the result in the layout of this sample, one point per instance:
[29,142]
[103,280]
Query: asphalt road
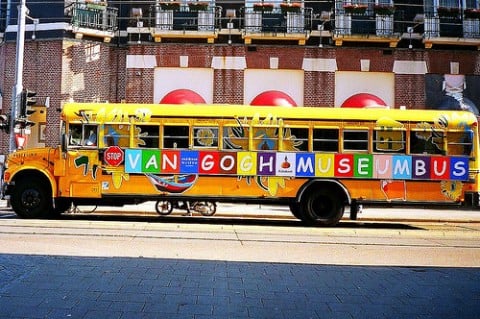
[102,266]
[367,241]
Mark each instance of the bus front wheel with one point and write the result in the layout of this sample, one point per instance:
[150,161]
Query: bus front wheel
[31,199]
[323,207]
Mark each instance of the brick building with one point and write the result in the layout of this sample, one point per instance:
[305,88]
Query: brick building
[319,54]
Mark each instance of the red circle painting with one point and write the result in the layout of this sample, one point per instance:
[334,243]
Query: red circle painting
[363,100]
[182,96]
[273,98]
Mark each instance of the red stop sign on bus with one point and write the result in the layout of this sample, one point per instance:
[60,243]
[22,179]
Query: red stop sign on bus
[113,156]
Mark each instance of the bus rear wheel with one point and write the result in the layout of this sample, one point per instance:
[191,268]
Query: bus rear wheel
[296,210]
[30,199]
[323,207]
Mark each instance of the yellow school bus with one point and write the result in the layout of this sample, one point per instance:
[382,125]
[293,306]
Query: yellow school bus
[315,160]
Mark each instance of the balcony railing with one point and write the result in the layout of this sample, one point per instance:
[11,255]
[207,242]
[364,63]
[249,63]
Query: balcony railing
[94,20]
[389,24]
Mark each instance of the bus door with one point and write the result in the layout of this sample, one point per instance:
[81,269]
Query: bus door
[82,161]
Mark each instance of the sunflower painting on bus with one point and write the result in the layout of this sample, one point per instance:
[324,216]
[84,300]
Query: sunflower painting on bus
[265,137]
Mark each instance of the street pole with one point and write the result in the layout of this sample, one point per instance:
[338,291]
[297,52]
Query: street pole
[18,87]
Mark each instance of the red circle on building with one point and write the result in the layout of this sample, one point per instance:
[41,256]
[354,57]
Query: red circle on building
[363,100]
[182,96]
[273,98]
[113,156]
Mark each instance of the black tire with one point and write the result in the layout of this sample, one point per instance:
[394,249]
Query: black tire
[164,207]
[31,199]
[296,210]
[323,207]
[61,206]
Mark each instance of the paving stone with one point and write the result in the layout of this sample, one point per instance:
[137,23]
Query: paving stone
[85,287]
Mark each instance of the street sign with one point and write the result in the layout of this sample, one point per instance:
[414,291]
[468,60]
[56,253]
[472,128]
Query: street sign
[113,156]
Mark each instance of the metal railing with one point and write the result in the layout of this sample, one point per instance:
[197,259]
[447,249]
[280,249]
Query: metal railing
[393,21]
[276,21]
[94,16]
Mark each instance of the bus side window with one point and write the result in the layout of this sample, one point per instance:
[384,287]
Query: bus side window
[116,134]
[147,135]
[424,142]
[295,138]
[75,134]
[459,143]
[90,135]
[205,137]
[265,137]
[325,139]
[175,136]
[389,141]
[355,140]
[235,137]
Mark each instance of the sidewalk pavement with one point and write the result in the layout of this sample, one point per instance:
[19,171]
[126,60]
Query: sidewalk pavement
[78,287]
[261,210]
[121,288]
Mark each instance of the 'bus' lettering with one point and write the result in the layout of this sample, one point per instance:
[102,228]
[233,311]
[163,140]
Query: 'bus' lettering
[440,168]
[460,170]
[420,169]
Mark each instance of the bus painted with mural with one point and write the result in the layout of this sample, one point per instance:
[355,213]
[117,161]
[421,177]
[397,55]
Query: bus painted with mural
[315,160]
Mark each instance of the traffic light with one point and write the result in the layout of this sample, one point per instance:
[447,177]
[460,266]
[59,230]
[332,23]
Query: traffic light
[28,99]
[4,122]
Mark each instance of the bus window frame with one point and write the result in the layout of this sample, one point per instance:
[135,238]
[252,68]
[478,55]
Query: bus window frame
[375,141]
[256,126]
[137,136]
[414,130]
[355,131]
[292,126]
[216,136]
[468,133]
[105,136]
[78,141]
[174,147]
[328,141]
[85,135]
[234,127]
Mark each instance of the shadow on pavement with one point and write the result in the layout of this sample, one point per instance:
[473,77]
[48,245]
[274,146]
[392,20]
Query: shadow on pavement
[235,220]
[96,287]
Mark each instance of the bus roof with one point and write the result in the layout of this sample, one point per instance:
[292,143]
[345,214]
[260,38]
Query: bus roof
[89,111]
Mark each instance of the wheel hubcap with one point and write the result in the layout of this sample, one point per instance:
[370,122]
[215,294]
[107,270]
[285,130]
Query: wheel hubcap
[30,198]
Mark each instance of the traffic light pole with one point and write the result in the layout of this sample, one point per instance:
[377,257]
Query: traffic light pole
[18,88]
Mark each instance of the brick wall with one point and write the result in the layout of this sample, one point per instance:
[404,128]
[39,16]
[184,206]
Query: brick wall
[95,71]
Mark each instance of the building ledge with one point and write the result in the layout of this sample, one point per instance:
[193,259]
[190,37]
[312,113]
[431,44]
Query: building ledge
[80,32]
[429,42]
[158,34]
[275,36]
[392,40]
